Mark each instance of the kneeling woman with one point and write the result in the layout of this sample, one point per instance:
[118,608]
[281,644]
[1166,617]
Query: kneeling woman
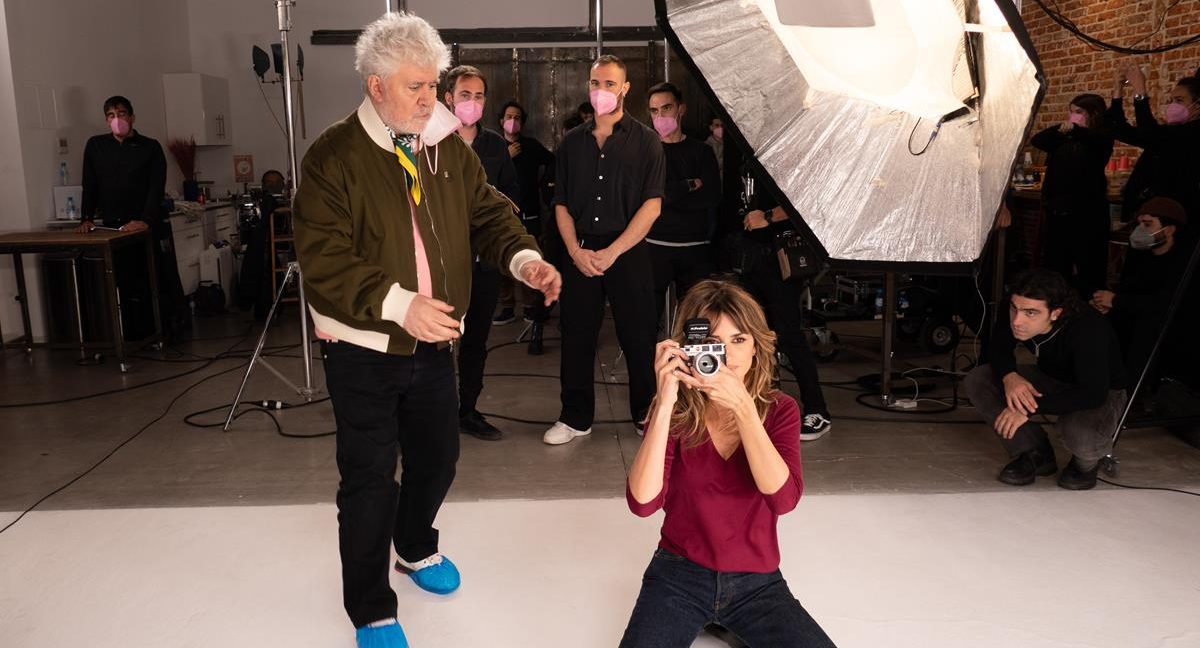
[721,456]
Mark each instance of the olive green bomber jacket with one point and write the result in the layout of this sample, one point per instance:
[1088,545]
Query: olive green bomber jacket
[353,230]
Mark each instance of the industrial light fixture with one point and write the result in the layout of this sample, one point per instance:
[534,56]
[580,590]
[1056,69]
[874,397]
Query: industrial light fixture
[889,127]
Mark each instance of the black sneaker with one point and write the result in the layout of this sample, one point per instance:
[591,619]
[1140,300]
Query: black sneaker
[475,425]
[505,316]
[1028,466]
[1075,478]
[815,427]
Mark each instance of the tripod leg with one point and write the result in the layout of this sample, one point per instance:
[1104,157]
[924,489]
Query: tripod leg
[307,344]
[262,338]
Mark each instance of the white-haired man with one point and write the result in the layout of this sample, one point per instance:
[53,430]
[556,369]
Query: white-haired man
[388,212]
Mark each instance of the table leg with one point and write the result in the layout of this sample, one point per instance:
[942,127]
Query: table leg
[114,308]
[23,297]
[152,269]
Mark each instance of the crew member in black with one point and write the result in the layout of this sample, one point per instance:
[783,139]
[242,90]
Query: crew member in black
[1075,195]
[1079,376]
[762,277]
[466,95]
[681,239]
[535,176]
[1168,165]
[608,192]
[123,174]
[123,177]
[1153,268]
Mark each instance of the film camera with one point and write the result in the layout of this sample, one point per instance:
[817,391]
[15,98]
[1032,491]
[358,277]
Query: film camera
[705,358]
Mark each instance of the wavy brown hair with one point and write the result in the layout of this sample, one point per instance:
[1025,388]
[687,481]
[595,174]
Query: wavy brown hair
[711,299]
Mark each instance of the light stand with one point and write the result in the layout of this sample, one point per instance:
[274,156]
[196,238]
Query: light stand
[284,16]
[307,391]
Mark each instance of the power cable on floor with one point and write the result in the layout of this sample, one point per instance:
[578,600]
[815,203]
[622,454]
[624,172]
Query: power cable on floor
[128,440]
[1152,488]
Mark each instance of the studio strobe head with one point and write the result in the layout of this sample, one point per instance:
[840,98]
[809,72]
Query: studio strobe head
[704,358]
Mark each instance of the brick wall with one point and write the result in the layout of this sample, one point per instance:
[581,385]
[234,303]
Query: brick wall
[1073,67]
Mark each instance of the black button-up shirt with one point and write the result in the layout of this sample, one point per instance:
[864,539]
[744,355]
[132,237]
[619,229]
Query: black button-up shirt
[603,188]
[123,181]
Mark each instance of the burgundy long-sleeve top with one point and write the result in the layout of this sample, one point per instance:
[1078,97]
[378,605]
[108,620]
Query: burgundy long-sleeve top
[715,515]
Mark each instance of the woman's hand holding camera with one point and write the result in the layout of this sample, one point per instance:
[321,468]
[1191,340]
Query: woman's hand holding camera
[726,389]
[670,367]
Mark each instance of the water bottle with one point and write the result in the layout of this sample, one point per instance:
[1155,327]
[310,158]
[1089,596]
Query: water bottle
[903,301]
[878,302]
[72,213]
[62,174]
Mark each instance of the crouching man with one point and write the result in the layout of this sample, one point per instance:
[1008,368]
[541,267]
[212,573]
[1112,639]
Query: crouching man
[1079,377]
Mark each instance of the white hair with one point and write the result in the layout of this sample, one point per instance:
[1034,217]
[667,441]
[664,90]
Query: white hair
[397,38]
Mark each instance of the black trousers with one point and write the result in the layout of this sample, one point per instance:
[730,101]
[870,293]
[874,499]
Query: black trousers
[472,352]
[1088,434]
[685,266]
[627,287]
[386,404]
[781,301]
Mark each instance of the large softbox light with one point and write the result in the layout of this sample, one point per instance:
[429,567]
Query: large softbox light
[838,101]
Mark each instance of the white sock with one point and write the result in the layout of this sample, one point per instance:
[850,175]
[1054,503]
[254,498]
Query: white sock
[383,623]
[435,559]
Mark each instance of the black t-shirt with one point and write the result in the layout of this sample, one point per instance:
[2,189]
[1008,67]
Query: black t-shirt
[493,154]
[604,188]
[688,216]
[123,181]
[1075,164]
[535,172]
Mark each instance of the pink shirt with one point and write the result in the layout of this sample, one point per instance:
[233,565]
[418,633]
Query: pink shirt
[715,515]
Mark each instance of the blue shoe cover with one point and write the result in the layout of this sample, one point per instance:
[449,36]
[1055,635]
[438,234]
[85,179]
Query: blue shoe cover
[388,636]
[439,578]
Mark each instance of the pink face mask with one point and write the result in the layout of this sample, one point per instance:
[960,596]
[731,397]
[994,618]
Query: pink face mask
[1177,113]
[665,125]
[603,101]
[468,112]
[511,126]
[119,127]
[1077,119]
[718,132]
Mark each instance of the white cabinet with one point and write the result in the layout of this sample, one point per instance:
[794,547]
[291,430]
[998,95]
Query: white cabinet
[192,238]
[197,107]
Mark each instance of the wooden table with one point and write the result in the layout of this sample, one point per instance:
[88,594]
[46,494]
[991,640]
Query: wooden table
[103,241]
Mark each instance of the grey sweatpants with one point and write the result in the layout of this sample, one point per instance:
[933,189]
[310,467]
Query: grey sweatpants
[1087,434]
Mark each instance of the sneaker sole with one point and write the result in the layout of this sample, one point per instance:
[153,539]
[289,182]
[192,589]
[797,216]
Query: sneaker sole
[814,436]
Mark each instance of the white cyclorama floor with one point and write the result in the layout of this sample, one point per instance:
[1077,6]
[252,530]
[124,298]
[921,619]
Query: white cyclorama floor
[1028,569]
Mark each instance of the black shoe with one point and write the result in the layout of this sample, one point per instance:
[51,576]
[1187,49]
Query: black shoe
[505,316]
[535,340]
[816,425]
[1072,478]
[477,426]
[1023,470]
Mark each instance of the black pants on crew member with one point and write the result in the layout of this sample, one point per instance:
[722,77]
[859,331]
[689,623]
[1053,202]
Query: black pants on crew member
[629,289]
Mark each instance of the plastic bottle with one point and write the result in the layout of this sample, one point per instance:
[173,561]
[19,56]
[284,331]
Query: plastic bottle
[72,212]
[63,175]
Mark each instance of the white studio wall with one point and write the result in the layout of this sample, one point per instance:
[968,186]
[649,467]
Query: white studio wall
[66,58]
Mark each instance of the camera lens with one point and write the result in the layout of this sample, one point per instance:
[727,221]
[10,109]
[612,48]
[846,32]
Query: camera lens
[706,364]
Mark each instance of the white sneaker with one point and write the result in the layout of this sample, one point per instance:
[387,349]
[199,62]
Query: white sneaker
[561,433]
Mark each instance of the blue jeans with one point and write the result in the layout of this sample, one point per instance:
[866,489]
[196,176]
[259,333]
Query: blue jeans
[679,598]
